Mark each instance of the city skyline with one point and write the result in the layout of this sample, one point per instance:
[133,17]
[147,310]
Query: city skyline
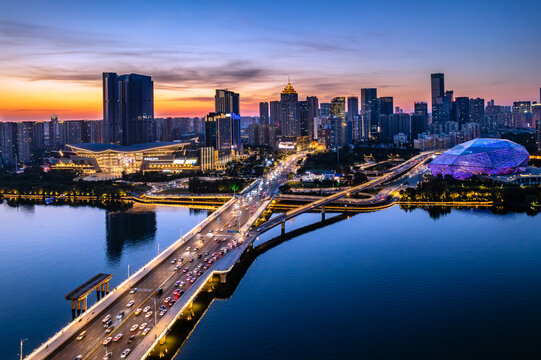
[55,67]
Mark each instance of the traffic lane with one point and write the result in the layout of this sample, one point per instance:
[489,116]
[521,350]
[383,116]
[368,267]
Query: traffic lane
[96,327]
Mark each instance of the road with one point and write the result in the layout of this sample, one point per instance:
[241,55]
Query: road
[214,239]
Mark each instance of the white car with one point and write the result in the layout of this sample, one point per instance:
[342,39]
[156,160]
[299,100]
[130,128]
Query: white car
[105,319]
[143,326]
[134,327]
[147,308]
[130,304]
[133,290]
[125,353]
[148,314]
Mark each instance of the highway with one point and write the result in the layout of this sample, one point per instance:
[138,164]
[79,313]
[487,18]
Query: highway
[192,259]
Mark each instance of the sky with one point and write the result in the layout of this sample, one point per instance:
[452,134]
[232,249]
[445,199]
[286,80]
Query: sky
[52,53]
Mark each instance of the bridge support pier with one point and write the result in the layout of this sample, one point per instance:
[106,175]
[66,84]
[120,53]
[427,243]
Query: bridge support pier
[223,278]
[323,213]
[84,306]
[73,313]
[107,287]
[283,228]
[78,308]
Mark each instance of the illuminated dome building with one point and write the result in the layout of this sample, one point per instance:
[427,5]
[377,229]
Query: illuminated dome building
[481,157]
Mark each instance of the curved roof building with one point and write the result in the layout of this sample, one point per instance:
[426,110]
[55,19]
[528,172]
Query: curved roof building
[481,157]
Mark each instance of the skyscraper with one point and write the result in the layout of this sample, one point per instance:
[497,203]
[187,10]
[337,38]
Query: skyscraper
[226,102]
[462,104]
[290,125]
[264,112]
[303,116]
[275,122]
[420,108]
[477,111]
[386,105]
[313,112]
[128,108]
[353,118]
[338,107]
[369,112]
[437,92]
[325,109]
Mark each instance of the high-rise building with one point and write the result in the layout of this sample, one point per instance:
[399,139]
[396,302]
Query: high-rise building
[275,121]
[338,107]
[264,112]
[25,143]
[325,109]
[438,93]
[353,118]
[290,124]
[226,102]
[385,105]
[462,104]
[420,108]
[128,108]
[8,143]
[222,131]
[369,112]
[522,114]
[477,111]
[303,116]
[313,112]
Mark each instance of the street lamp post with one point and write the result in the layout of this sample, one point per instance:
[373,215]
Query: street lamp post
[21,353]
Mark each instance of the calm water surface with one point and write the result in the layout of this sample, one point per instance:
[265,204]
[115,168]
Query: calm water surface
[384,285]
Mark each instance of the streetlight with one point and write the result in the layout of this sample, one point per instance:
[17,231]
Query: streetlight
[22,341]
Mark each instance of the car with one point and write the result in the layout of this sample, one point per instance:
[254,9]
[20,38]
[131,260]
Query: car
[131,339]
[107,341]
[173,261]
[109,329]
[81,336]
[191,260]
[120,315]
[107,356]
[134,327]
[78,357]
[143,326]
[177,268]
[199,256]
[125,353]
[162,307]
[185,270]
[145,331]
[167,299]
[188,248]
[117,337]
[162,313]
[148,314]
[177,284]
[133,290]
[195,249]
[108,323]
[159,291]
[147,308]
[138,311]
[105,319]
[172,302]
[130,304]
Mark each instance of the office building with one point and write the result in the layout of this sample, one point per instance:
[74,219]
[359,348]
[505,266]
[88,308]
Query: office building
[222,131]
[128,108]
[462,104]
[264,112]
[226,102]
[290,125]
[325,109]
[369,112]
[313,112]
[477,111]
[522,114]
[441,101]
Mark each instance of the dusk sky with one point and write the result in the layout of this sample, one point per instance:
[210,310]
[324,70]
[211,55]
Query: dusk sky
[52,53]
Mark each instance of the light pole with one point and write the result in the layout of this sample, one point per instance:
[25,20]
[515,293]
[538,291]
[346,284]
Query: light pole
[128,270]
[21,353]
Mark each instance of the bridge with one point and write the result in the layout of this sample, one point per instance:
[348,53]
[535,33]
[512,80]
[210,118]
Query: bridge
[161,291]
[394,172]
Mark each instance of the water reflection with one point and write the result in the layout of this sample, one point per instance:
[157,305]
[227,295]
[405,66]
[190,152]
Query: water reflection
[133,227]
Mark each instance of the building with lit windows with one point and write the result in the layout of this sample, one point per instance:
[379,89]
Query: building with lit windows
[108,159]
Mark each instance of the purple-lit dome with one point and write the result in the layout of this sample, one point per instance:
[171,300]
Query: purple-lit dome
[481,157]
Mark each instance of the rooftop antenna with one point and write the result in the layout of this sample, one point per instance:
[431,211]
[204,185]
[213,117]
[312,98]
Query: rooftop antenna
[289,79]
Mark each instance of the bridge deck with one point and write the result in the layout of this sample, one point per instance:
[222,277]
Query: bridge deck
[84,289]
